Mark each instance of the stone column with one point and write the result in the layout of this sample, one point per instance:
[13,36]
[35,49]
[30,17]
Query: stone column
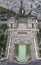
[33,53]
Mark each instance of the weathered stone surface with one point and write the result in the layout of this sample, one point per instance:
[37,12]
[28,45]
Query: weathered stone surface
[15,4]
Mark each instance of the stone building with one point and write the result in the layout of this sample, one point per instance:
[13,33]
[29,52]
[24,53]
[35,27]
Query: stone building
[22,42]
[21,32]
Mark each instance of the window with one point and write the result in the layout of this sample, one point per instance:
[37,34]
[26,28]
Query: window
[32,25]
[29,25]
[22,26]
[11,24]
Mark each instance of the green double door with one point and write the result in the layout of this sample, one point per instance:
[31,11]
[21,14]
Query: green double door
[22,52]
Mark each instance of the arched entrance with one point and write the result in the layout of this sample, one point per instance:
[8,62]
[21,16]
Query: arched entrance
[22,52]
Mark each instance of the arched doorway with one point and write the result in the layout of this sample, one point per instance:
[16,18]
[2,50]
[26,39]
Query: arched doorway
[22,52]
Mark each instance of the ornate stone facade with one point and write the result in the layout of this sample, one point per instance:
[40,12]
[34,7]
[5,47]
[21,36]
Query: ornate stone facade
[26,33]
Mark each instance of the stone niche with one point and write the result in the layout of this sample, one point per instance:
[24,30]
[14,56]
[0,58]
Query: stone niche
[22,26]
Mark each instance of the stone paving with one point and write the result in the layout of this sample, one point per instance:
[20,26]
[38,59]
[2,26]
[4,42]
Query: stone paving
[13,63]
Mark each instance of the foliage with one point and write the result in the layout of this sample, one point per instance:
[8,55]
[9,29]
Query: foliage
[39,36]
[10,12]
[3,27]
[3,38]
